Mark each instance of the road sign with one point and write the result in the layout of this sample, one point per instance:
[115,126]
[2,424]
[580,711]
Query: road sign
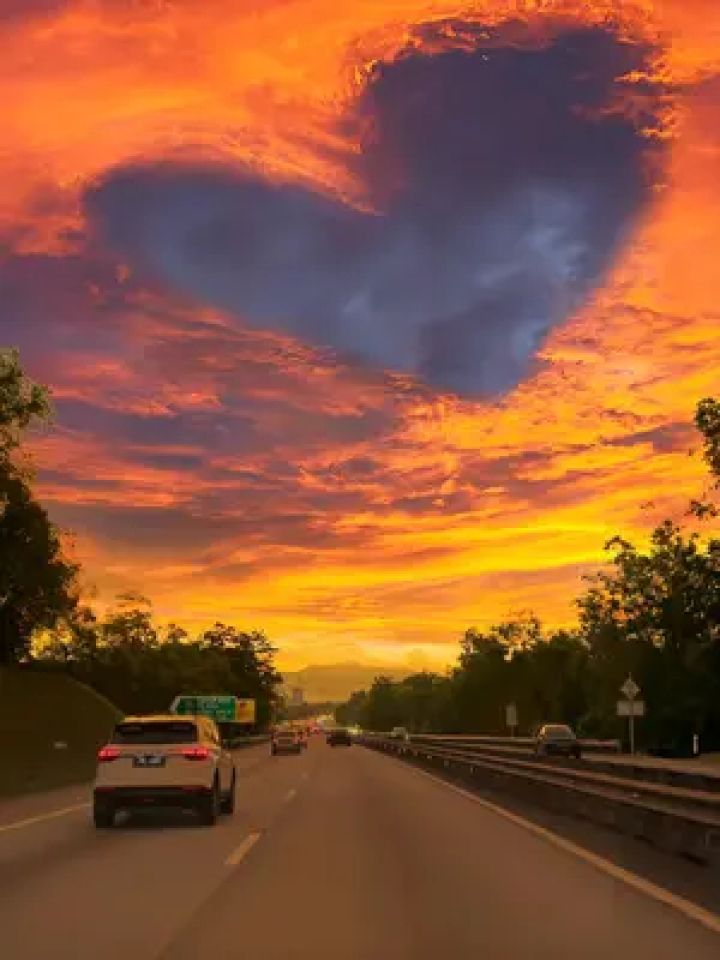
[630,689]
[244,711]
[511,716]
[631,708]
[221,708]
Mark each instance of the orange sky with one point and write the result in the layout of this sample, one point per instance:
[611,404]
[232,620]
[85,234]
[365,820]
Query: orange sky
[364,515]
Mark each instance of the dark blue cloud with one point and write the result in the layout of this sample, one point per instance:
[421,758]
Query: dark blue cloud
[501,193]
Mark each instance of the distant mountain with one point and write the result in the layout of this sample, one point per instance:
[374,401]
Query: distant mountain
[336,681]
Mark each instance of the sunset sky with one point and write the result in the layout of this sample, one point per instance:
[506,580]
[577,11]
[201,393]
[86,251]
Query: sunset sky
[365,321]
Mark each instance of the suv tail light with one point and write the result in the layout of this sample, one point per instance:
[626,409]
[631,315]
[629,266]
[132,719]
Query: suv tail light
[195,753]
[107,754]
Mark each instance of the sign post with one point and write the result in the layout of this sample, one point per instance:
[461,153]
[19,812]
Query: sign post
[511,718]
[631,707]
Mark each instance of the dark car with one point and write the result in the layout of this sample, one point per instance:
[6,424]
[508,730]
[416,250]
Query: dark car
[556,740]
[339,738]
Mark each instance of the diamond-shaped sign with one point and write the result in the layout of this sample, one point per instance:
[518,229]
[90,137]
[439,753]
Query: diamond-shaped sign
[630,688]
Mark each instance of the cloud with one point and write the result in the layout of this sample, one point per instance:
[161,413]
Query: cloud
[501,193]
[28,9]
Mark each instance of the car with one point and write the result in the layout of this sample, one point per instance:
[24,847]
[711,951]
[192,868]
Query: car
[399,733]
[164,761]
[286,741]
[557,739]
[339,737]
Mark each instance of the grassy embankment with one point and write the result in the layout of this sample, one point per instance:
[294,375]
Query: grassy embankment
[50,729]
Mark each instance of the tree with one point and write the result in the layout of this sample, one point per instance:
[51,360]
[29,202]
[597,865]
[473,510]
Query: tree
[38,584]
[130,624]
[657,615]
[382,709]
[22,402]
[707,420]
[250,656]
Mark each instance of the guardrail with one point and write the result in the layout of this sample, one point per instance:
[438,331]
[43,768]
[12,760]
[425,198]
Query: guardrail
[604,761]
[237,743]
[588,746]
[677,819]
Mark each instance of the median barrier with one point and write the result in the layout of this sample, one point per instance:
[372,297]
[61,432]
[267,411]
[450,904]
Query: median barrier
[686,825]
[620,766]
[238,743]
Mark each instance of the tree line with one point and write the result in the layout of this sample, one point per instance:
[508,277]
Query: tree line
[45,623]
[653,613]
[140,666]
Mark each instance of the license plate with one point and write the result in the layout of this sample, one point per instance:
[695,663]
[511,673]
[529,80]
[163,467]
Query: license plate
[149,760]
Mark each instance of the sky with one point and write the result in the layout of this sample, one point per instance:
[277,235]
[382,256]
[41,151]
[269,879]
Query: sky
[365,322]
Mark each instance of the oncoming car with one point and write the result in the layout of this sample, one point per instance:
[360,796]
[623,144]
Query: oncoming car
[556,739]
[164,761]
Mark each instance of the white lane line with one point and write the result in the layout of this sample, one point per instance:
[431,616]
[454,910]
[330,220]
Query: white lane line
[242,849]
[690,910]
[290,795]
[41,818]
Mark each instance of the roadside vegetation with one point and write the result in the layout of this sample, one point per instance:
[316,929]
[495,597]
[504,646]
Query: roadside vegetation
[652,613]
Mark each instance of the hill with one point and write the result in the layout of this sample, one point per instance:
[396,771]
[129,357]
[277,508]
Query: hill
[39,712]
[336,681]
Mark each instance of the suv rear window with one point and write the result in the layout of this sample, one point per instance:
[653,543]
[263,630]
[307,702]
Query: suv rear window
[155,731]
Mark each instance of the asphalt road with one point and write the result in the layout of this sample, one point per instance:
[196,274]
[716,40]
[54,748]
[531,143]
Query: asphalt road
[338,853]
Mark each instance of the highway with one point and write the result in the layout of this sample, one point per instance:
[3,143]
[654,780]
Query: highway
[339,853]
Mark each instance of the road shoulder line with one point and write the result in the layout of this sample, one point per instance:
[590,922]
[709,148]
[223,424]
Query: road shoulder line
[686,907]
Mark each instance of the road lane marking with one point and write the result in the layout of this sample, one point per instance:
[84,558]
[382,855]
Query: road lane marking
[290,795]
[242,849]
[689,910]
[53,815]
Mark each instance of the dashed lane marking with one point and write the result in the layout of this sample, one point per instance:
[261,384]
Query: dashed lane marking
[242,849]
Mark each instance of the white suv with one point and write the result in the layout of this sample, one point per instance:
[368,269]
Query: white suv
[164,761]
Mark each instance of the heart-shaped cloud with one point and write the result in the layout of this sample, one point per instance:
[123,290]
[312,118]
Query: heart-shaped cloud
[502,189]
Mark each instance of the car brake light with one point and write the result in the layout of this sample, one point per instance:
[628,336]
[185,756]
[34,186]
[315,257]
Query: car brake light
[107,754]
[196,753]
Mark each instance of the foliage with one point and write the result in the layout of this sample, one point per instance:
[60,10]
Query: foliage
[38,584]
[707,420]
[21,402]
[141,668]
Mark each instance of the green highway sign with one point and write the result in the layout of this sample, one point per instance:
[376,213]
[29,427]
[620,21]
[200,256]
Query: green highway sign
[220,708]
